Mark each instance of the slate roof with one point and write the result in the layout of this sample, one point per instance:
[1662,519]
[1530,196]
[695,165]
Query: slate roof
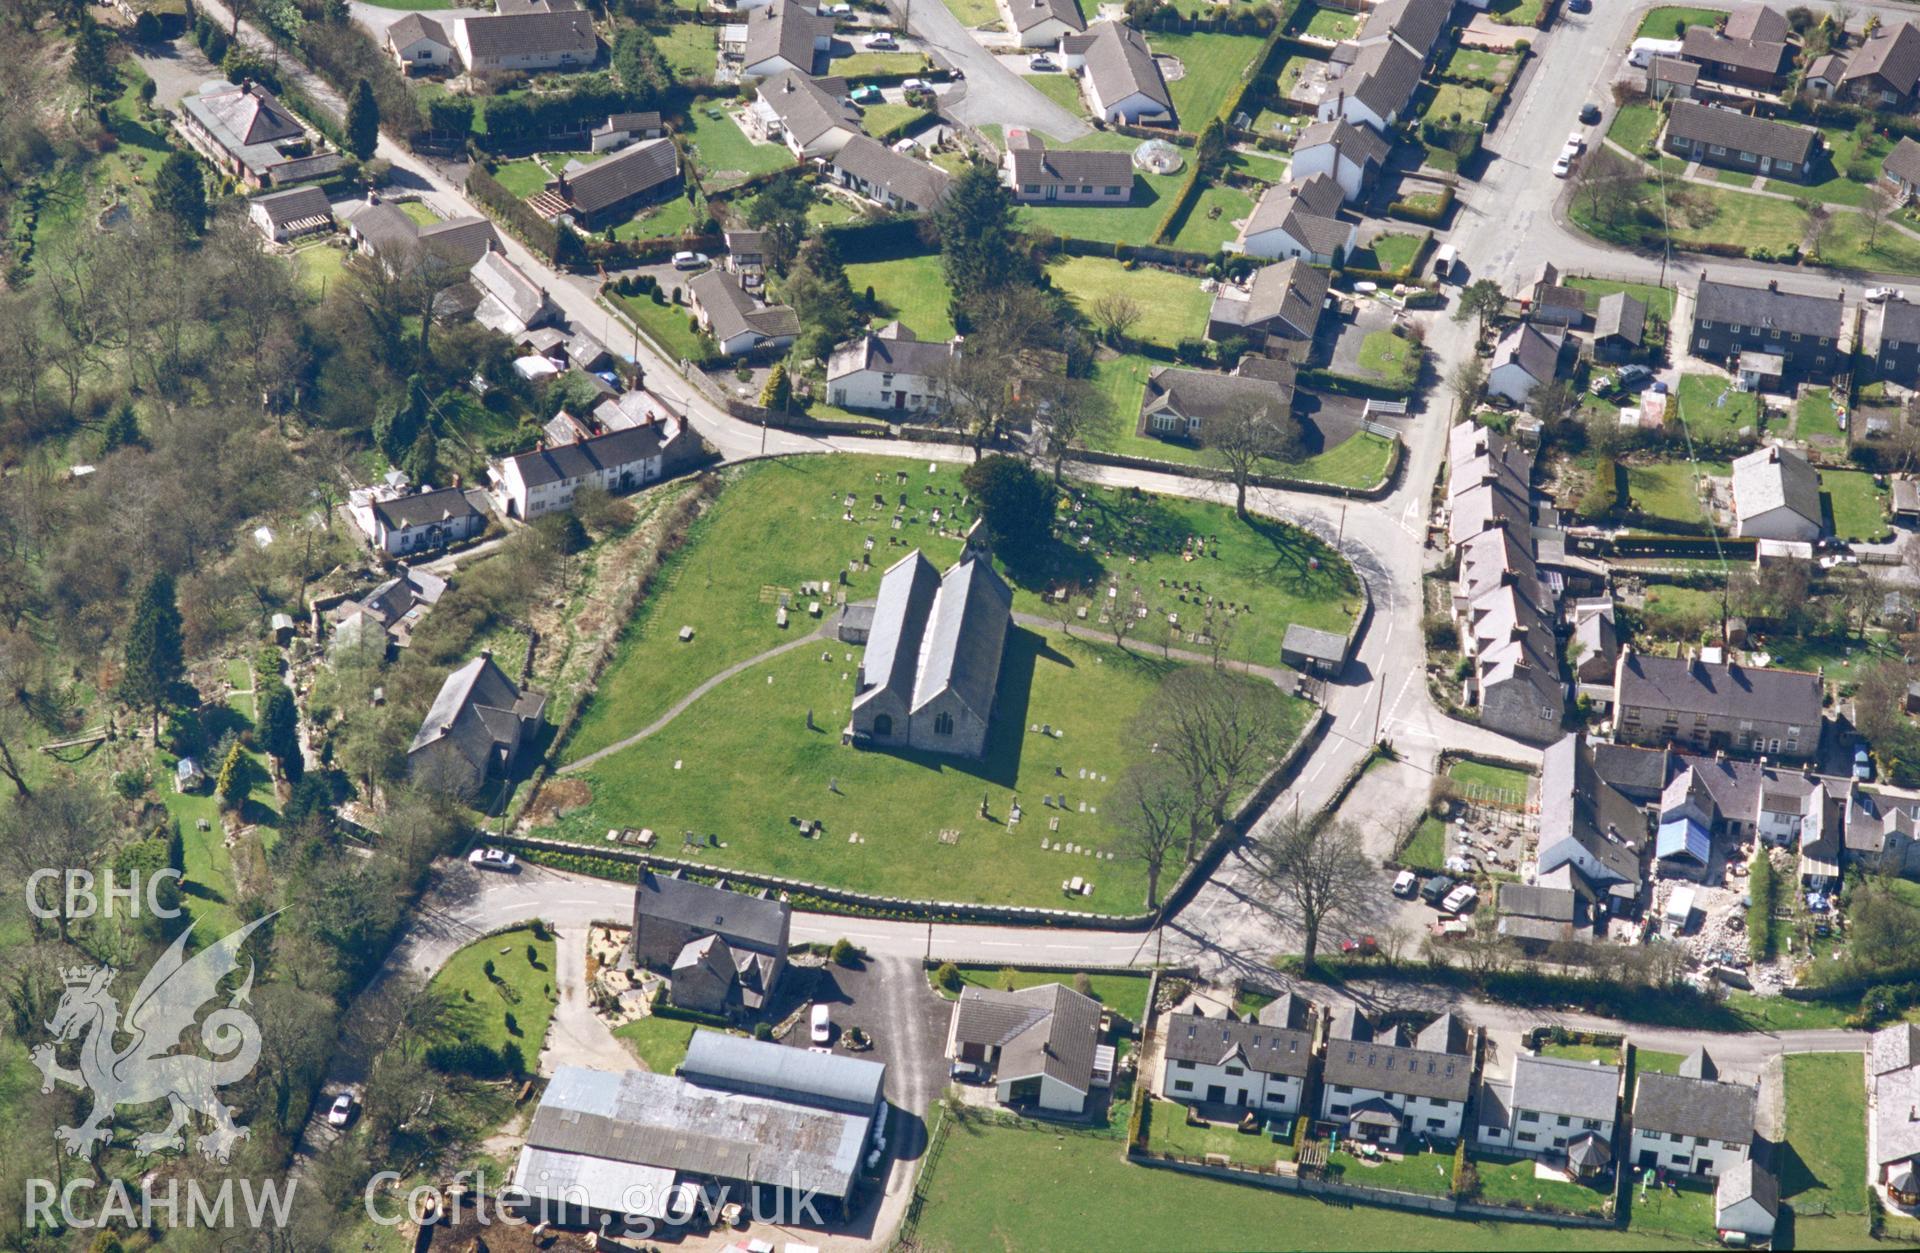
[1899,323]
[1704,1108]
[1327,646]
[536,32]
[1529,901]
[243,116]
[740,1064]
[1306,209]
[1673,70]
[294,205]
[1635,771]
[1535,349]
[1204,394]
[892,349]
[1028,14]
[1757,21]
[1417,23]
[1383,77]
[901,608]
[1291,291]
[746,920]
[588,456]
[1896,1116]
[641,120]
[1893,1048]
[1893,56]
[1737,132]
[1034,164]
[785,29]
[914,181]
[1396,1067]
[1735,304]
[1560,1085]
[1746,1180]
[731,311]
[424,508]
[1718,688]
[1577,806]
[396,238]
[1620,315]
[473,711]
[417,26]
[1119,64]
[1702,43]
[627,173]
[966,634]
[1903,162]
[806,109]
[1264,1049]
[1046,1030]
[509,285]
[1775,478]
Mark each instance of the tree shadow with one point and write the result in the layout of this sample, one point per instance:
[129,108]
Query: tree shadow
[1294,551]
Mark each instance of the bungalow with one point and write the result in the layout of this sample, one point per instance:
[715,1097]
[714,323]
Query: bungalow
[1040,175]
[890,371]
[1258,1064]
[1882,73]
[1671,77]
[738,322]
[285,215]
[1738,141]
[1043,23]
[1376,89]
[1122,79]
[1553,1107]
[1381,1088]
[1041,1045]
[1776,495]
[1806,333]
[426,520]
[1179,403]
[1525,357]
[418,42]
[784,37]
[547,479]
[248,134]
[1901,169]
[893,180]
[385,232]
[1299,218]
[525,40]
[606,192]
[475,729]
[802,113]
[1278,310]
[1351,155]
[1691,1123]
[1758,64]
[1898,355]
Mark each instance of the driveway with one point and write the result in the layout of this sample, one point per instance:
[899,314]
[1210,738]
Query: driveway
[994,94]
[178,69]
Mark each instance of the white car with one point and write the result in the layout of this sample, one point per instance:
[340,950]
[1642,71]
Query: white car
[491,859]
[915,84]
[689,260]
[341,1111]
[822,1029]
[882,42]
[1405,883]
[1562,166]
[1460,900]
[903,145]
[1877,294]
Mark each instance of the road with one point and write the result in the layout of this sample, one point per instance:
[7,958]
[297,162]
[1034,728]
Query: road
[995,95]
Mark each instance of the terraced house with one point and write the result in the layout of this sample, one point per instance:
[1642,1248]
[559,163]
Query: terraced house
[1385,1088]
[1707,706]
[1808,334]
[1259,1063]
[1690,1122]
[1553,1108]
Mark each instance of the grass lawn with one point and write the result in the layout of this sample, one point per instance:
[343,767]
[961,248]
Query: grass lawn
[1172,306]
[1392,358]
[520,988]
[890,119]
[1814,415]
[413,5]
[669,217]
[1722,215]
[1268,169]
[723,153]
[1841,655]
[421,213]
[1330,23]
[1393,253]
[830,211]
[666,323]
[1457,102]
[870,64]
[1859,507]
[1658,299]
[523,178]
[1132,223]
[1634,126]
[1823,1168]
[1668,21]
[1361,461]
[1684,1210]
[1518,12]
[1605,1054]
[1714,410]
[911,289]
[659,1042]
[1062,89]
[1169,1132]
[1009,1188]
[1216,65]
[1494,785]
[1427,850]
[1492,68]
[1211,218]
[976,14]
[1430,1173]
[689,47]
[1668,489]
[1124,994]
[1680,613]
[1654,1062]
[320,267]
[1511,1181]
[1845,247]
[1291,71]
[1837,187]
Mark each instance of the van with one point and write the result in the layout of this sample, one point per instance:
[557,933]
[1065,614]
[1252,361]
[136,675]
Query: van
[1444,259]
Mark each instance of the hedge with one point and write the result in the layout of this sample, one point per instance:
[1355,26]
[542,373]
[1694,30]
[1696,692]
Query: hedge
[1602,498]
[539,234]
[1416,213]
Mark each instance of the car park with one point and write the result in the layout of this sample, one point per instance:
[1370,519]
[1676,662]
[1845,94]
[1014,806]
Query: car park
[821,1031]
[1406,883]
[491,859]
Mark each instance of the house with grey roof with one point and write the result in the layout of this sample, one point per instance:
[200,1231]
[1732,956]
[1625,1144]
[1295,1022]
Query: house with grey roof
[1041,1046]
[931,673]
[1755,64]
[1384,1088]
[1299,218]
[1178,403]
[1900,169]
[510,301]
[893,180]
[1042,23]
[784,36]
[1375,88]
[1893,1100]
[387,614]
[676,924]
[1619,326]
[384,231]
[1598,640]
[424,521]
[1350,155]
[1746,1200]
[891,370]
[547,479]
[1553,1108]
[474,731]
[1525,357]
[1691,1122]
[417,43]
[1122,80]
[287,215]
[1720,705]
[606,192]
[1802,335]
[1257,1063]
[738,322]
[1278,310]
[1739,141]
[1882,72]
[1776,495]
[812,117]
[1415,24]
[1311,651]
[248,134]
[527,40]
[1672,77]
[1590,825]
[1893,336]
[1038,174]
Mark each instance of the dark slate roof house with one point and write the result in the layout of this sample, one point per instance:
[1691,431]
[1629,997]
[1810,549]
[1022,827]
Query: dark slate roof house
[1739,141]
[608,189]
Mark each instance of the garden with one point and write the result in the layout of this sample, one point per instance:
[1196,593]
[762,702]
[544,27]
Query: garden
[1858,505]
[911,290]
[1715,411]
[1671,490]
[1671,21]
[1216,66]
[1172,305]
[669,325]
[501,989]
[1823,1165]
[723,153]
[1169,1132]
[1136,222]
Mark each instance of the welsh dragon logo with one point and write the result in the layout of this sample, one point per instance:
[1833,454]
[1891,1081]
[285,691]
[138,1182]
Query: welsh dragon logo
[153,1065]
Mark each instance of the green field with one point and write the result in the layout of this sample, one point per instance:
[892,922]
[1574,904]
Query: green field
[722,151]
[1823,1166]
[1265,167]
[1814,416]
[666,323]
[1859,505]
[1216,67]
[521,988]
[1838,187]
[1669,489]
[1427,850]
[891,120]
[1169,1132]
[1172,306]
[523,177]
[1391,358]
[1845,246]
[320,266]
[1667,21]
[1211,219]
[911,289]
[1395,253]
[689,47]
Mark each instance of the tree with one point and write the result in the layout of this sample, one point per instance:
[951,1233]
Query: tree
[1876,208]
[1468,383]
[154,661]
[1220,731]
[146,30]
[1151,807]
[1211,151]
[421,462]
[1554,400]
[280,731]
[396,432]
[121,429]
[1072,415]
[1318,872]
[1481,299]
[92,64]
[180,194]
[363,121]
[1016,506]
[981,248]
[232,785]
[779,212]
[644,73]
[1609,183]
[822,300]
[777,394]
[1114,315]
[1245,438]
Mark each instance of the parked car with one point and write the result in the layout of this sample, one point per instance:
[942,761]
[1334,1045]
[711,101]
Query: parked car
[1562,165]
[1863,764]
[964,1072]
[1434,890]
[822,1030]
[1589,113]
[903,145]
[866,93]
[1406,883]
[1576,142]
[1579,6]
[882,42]
[1461,899]
[491,859]
[915,84]
[689,260]
[1365,946]
[1445,257]
[340,1113]
[1041,63]
[837,10]
[1876,295]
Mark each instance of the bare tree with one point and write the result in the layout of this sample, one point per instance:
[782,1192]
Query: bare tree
[1123,614]
[1069,415]
[1468,383]
[1114,316]
[1876,208]
[1319,873]
[1609,184]
[1244,439]
[1151,808]
[1220,731]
